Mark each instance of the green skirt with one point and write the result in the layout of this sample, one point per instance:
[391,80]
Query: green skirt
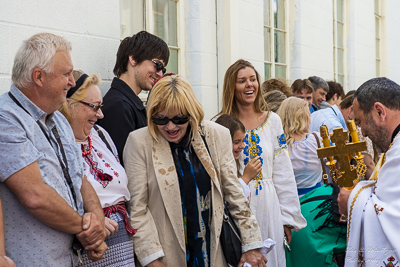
[324,236]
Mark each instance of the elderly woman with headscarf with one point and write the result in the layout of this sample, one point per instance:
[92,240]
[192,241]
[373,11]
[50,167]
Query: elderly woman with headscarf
[102,168]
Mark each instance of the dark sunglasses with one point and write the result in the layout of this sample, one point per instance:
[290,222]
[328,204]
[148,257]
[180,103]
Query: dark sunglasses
[159,66]
[94,107]
[175,120]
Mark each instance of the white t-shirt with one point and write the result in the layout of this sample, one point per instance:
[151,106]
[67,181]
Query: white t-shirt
[306,164]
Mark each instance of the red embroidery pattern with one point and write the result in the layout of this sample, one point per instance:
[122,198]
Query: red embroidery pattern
[103,178]
[390,263]
[378,209]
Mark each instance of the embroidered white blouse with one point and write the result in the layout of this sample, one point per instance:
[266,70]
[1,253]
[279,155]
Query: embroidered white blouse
[109,192]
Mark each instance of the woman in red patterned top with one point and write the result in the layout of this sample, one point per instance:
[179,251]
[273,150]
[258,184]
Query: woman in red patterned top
[102,169]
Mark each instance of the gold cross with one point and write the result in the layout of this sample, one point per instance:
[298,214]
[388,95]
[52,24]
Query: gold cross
[341,151]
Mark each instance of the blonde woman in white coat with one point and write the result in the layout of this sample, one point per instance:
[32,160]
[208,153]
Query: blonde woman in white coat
[178,184]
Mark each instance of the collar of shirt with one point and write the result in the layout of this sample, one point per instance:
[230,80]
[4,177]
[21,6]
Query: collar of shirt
[120,85]
[34,111]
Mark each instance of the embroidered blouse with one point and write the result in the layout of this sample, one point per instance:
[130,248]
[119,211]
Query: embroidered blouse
[112,191]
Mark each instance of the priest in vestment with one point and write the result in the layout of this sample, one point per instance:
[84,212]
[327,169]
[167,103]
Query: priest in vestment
[373,206]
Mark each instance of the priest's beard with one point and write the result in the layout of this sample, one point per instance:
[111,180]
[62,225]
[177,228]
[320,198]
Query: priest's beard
[379,135]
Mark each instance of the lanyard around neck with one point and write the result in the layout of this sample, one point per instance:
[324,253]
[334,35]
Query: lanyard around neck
[64,164]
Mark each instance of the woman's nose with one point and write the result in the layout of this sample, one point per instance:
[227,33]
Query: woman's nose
[170,125]
[99,114]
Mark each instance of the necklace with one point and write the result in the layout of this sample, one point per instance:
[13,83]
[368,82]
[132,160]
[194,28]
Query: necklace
[87,152]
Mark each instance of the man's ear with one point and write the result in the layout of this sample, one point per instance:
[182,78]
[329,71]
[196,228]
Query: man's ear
[38,76]
[380,109]
[334,97]
[132,61]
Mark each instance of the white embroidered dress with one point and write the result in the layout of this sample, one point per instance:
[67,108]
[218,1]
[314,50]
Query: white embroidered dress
[374,215]
[274,198]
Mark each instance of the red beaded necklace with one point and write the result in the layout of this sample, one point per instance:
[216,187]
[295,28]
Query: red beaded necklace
[87,152]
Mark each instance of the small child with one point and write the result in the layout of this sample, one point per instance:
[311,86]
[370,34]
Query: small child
[238,133]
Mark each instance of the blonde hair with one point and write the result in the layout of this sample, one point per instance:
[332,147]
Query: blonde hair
[67,109]
[294,116]
[174,94]
[229,105]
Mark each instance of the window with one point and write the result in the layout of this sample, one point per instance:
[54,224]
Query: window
[158,17]
[378,20]
[275,39]
[338,42]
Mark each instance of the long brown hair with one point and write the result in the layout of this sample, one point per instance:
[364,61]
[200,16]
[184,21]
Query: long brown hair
[233,124]
[229,105]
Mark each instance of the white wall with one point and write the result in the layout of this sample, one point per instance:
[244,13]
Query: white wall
[391,40]
[215,34]
[201,52]
[311,31]
[92,26]
[360,44]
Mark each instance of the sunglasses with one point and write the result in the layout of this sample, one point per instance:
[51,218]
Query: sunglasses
[94,107]
[175,120]
[159,66]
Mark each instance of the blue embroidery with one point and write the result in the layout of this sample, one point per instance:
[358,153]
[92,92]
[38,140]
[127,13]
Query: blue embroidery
[252,150]
[281,140]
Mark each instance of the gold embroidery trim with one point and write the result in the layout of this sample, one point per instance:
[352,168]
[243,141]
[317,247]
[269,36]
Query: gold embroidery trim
[352,205]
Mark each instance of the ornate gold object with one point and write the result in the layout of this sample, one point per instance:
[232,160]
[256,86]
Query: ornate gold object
[361,167]
[342,151]
[331,163]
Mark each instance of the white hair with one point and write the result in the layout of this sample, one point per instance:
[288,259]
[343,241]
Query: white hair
[36,52]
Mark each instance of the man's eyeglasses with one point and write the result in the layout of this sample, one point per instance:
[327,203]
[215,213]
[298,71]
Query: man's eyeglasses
[175,120]
[159,66]
[94,107]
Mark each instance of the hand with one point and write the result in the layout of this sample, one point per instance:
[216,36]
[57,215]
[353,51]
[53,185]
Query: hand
[93,233]
[252,169]
[111,226]
[98,253]
[288,233]
[6,262]
[253,257]
[156,263]
[342,199]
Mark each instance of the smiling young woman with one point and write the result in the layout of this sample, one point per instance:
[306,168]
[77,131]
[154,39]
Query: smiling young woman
[273,195]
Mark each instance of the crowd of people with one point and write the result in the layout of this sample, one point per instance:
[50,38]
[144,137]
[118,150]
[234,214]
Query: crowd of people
[93,181]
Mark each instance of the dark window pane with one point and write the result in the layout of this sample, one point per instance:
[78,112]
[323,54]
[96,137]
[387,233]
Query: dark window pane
[280,47]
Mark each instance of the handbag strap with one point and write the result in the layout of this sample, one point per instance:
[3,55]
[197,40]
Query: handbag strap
[324,176]
[103,138]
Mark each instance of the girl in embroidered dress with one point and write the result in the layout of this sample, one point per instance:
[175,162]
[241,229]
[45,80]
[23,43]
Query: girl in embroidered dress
[102,168]
[273,196]
[238,133]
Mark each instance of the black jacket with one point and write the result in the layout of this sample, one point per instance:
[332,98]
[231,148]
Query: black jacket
[123,113]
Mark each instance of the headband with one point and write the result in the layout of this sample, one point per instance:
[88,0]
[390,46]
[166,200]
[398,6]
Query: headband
[78,84]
